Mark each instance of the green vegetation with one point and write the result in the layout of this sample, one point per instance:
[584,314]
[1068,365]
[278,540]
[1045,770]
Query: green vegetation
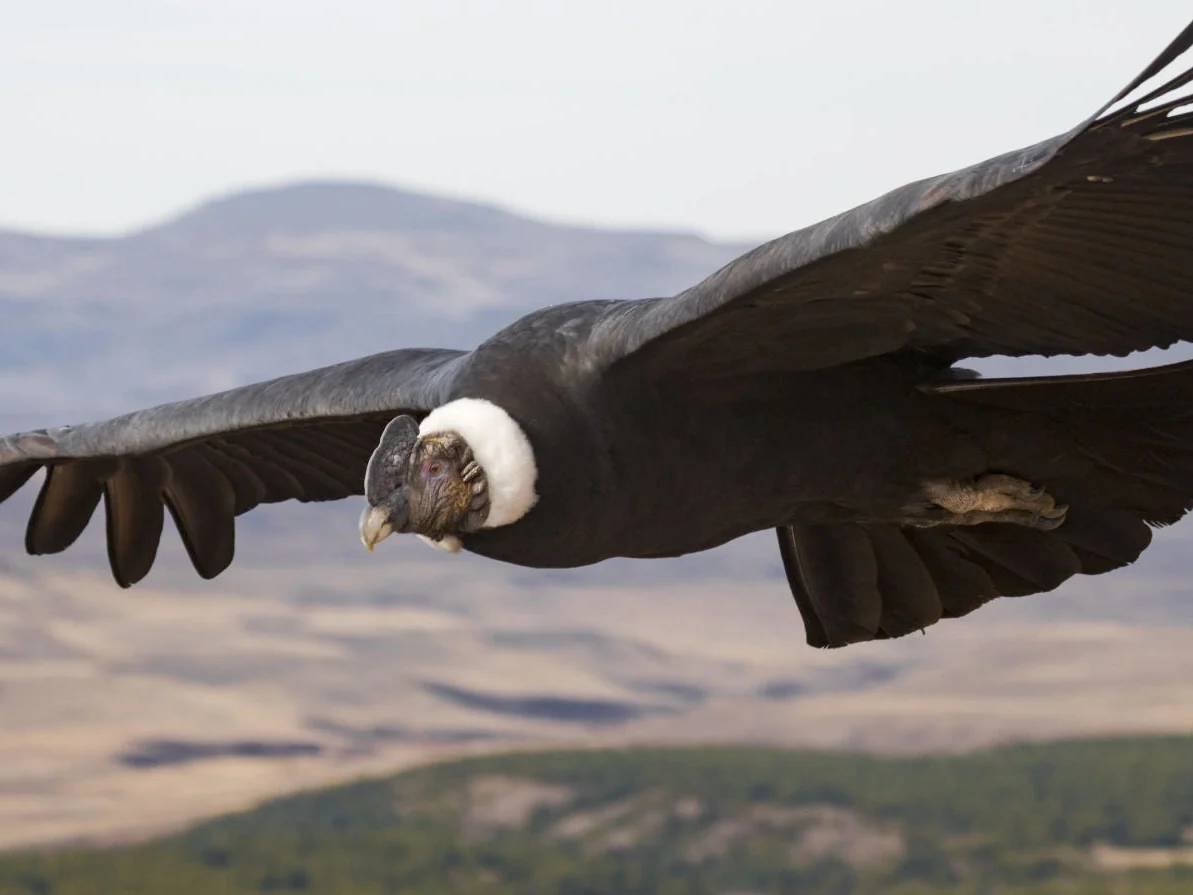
[1076,818]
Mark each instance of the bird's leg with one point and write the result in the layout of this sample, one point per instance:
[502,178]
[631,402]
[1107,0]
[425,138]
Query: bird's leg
[987,498]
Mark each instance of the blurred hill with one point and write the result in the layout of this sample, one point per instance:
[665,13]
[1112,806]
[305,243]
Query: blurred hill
[264,282]
[1084,818]
[311,661]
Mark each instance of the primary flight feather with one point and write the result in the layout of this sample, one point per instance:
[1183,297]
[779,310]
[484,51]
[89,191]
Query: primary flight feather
[807,387]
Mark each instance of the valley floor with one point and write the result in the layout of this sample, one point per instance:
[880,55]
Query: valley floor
[1098,817]
[130,713]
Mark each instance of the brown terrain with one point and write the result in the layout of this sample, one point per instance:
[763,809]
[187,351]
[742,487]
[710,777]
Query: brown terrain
[127,712]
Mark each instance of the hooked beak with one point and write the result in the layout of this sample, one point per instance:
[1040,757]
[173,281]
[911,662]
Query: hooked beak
[374,526]
[378,523]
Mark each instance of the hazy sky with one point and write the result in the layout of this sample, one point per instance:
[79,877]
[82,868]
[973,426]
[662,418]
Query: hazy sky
[736,119]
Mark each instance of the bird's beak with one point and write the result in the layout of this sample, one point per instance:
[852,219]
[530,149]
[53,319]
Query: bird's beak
[374,526]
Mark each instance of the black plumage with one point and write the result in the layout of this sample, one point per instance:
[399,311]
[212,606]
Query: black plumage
[807,386]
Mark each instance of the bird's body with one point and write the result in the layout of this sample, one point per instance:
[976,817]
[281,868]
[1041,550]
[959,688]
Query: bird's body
[809,387]
[635,467]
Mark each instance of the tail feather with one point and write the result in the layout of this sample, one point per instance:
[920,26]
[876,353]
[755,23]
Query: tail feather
[856,582]
[1114,442]
[1104,540]
[814,631]
[963,585]
[1019,560]
[1116,447]
[839,571]
[909,594]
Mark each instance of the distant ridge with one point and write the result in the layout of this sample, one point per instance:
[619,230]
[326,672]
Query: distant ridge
[359,204]
[264,281]
[333,204]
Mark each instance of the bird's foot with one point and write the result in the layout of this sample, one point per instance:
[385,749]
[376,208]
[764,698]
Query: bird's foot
[988,498]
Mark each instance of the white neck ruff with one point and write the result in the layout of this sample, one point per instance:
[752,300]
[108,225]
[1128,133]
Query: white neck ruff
[499,446]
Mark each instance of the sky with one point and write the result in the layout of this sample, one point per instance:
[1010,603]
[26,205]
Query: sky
[737,120]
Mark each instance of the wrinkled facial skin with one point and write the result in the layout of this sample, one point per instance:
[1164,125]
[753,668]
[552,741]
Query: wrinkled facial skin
[445,487]
[430,485]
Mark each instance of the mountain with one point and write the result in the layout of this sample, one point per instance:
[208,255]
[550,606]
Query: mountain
[1085,818]
[271,281]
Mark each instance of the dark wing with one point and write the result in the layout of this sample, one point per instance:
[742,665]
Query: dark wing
[303,437]
[1079,244]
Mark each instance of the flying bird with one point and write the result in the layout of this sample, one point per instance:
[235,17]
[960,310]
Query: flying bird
[810,387]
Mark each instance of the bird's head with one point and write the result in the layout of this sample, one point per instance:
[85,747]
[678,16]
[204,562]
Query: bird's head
[468,466]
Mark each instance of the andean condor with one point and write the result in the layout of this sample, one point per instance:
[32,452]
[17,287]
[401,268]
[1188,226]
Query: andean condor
[807,386]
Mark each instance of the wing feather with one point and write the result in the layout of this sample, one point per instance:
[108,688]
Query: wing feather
[202,501]
[65,504]
[303,437]
[133,507]
[1082,243]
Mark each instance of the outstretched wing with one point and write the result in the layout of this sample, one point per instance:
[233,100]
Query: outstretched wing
[302,437]
[1079,244]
